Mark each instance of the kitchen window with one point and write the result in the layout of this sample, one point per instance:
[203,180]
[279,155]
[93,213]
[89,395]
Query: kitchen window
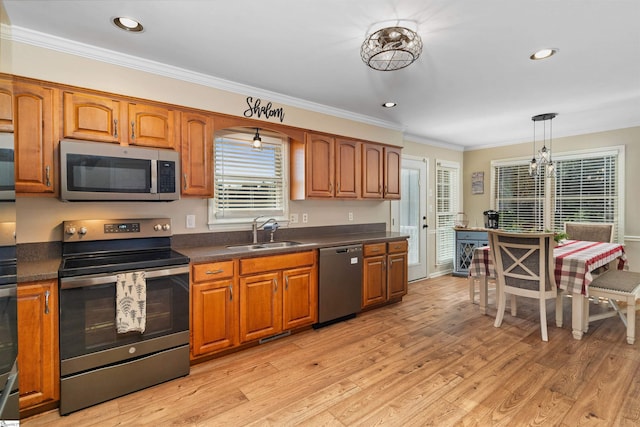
[588,187]
[447,207]
[247,182]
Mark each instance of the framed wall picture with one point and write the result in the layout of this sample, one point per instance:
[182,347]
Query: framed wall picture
[477,183]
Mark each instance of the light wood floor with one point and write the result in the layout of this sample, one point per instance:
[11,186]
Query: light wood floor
[430,360]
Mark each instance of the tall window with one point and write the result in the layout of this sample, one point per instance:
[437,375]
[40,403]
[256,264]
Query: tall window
[588,188]
[247,182]
[447,207]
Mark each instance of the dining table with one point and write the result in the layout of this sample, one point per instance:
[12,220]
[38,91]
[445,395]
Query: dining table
[575,262]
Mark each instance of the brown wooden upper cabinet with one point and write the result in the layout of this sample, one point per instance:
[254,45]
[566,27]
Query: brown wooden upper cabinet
[331,168]
[392,161]
[372,171]
[96,117]
[6,105]
[34,138]
[196,151]
[320,167]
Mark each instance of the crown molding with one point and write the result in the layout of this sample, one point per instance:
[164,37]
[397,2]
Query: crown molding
[59,44]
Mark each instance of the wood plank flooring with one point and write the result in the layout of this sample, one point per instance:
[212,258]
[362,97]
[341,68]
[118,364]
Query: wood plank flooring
[432,359]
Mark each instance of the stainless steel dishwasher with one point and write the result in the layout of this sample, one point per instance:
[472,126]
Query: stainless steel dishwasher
[340,283]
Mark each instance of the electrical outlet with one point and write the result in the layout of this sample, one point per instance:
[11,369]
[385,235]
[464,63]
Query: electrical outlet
[350,216]
[305,218]
[191,221]
[293,218]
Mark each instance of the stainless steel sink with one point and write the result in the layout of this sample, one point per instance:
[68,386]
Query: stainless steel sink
[265,245]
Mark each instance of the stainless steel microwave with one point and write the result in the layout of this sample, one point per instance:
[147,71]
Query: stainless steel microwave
[7,179]
[102,171]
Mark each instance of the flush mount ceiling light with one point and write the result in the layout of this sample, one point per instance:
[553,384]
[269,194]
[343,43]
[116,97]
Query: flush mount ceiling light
[389,104]
[391,48]
[257,141]
[544,53]
[128,24]
[543,165]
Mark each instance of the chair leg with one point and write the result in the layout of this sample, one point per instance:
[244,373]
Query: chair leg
[502,302]
[543,319]
[559,313]
[514,308]
[631,319]
[472,289]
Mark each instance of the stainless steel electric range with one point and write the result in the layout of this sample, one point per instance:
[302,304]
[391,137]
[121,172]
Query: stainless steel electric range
[103,356]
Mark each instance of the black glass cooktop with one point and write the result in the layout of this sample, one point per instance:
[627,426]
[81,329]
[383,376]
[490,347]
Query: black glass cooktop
[113,262]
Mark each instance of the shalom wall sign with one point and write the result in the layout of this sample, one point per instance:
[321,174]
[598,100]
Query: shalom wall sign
[258,110]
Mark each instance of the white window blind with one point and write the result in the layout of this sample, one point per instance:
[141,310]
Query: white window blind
[588,187]
[519,198]
[447,207]
[248,182]
[586,190]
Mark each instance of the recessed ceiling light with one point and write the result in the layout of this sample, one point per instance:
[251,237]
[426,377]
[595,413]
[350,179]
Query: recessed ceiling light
[128,24]
[544,53]
[389,104]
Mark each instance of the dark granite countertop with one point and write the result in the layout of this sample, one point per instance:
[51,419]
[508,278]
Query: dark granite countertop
[41,261]
[215,253]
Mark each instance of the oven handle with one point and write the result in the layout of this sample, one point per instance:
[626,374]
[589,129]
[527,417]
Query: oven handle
[82,282]
[8,291]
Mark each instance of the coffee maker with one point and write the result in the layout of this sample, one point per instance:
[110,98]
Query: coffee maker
[491,219]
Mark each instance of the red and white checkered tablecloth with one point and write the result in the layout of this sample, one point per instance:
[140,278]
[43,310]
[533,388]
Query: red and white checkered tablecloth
[575,260]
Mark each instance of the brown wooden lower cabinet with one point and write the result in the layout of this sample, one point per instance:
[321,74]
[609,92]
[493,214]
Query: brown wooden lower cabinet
[384,274]
[239,301]
[38,356]
[214,307]
[277,293]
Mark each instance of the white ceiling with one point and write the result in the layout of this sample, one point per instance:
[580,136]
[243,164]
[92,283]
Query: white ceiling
[473,86]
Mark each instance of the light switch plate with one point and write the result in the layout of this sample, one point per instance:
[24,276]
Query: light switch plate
[191,221]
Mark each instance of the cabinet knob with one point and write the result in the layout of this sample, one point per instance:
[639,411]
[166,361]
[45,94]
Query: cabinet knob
[115,128]
[133,131]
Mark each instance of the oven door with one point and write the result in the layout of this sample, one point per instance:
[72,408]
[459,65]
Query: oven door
[8,353]
[88,333]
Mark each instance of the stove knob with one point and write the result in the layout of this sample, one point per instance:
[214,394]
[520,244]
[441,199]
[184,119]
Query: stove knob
[70,231]
[166,227]
[157,227]
[82,231]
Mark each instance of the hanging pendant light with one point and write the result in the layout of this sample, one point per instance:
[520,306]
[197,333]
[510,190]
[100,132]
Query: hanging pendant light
[257,141]
[542,163]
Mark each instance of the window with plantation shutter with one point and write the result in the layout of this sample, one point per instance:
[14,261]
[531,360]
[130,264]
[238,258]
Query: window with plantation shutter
[248,182]
[588,187]
[447,207]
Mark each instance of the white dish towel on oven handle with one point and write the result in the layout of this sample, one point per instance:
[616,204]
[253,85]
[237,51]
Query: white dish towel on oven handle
[131,302]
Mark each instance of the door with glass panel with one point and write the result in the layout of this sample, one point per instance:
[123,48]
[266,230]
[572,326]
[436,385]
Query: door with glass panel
[409,214]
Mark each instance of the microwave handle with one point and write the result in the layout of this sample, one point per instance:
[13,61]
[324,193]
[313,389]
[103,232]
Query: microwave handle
[154,177]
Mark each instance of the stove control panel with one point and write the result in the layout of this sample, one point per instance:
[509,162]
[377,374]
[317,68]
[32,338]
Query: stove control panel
[88,230]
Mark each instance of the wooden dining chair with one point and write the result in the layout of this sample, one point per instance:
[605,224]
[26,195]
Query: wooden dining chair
[524,266]
[589,231]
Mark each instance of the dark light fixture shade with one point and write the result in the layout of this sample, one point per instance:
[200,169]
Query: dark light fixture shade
[257,141]
[391,48]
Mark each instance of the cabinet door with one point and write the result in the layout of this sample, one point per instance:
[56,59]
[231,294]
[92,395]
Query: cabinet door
[392,159]
[38,358]
[260,306]
[300,298]
[372,170]
[320,165]
[34,138]
[91,117]
[374,286]
[152,126]
[215,313]
[197,155]
[6,105]
[348,164]
[396,275]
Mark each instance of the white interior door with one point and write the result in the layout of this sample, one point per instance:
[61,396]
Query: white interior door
[409,214]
